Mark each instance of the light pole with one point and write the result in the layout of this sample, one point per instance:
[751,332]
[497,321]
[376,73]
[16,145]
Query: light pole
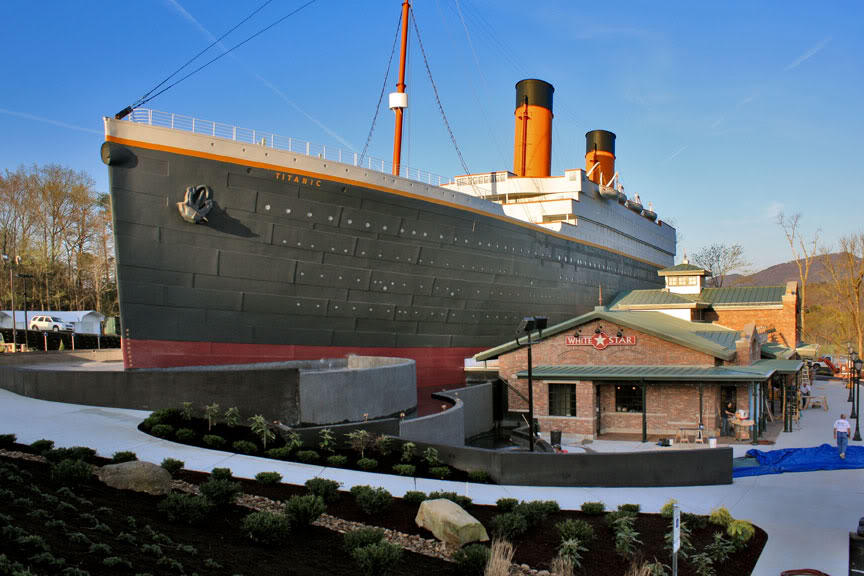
[857,363]
[10,263]
[24,277]
[849,365]
[527,326]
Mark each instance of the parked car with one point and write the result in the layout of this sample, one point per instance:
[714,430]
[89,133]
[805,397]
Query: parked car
[50,324]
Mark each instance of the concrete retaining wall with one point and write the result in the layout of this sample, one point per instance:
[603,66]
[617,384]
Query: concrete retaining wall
[446,427]
[477,406]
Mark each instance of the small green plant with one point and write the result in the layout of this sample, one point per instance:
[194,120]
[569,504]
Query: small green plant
[126,537]
[220,492]
[221,474]
[668,508]
[367,463]
[509,526]
[71,472]
[593,508]
[55,524]
[78,538]
[186,435]
[361,537]
[73,453]
[293,441]
[720,548]
[409,451]
[414,497]
[231,417]
[41,446]
[471,560]
[383,445]
[211,412]
[261,428]
[687,547]
[656,568]
[440,472]
[506,504]
[571,529]
[213,440]
[115,561]
[372,501]
[244,447]
[694,521]
[328,490]
[463,501]
[404,469]
[187,412]
[39,514]
[631,508]
[573,550]
[304,510]
[327,441]
[123,456]
[740,531]
[162,430]
[703,564]
[152,549]
[430,456]
[267,528]
[478,476]
[337,460]
[281,453]
[360,441]
[172,465]
[100,548]
[187,549]
[307,456]
[171,564]
[720,516]
[537,510]
[626,536]
[186,508]
[268,477]
[377,559]
[212,564]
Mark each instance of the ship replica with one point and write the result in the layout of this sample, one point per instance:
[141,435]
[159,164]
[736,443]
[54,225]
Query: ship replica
[236,246]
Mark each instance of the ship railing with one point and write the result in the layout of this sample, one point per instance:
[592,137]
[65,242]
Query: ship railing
[271,140]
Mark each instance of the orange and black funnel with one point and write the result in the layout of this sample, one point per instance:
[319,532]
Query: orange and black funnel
[600,147]
[532,148]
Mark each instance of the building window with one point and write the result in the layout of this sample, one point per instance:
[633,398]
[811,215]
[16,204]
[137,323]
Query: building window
[628,398]
[562,399]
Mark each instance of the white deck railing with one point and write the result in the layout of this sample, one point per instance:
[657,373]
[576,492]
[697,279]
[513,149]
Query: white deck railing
[270,140]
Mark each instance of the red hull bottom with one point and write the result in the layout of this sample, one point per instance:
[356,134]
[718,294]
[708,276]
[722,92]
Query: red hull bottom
[437,368]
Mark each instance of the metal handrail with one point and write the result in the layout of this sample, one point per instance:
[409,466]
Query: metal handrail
[270,140]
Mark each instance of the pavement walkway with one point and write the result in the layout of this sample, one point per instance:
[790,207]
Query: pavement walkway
[807,515]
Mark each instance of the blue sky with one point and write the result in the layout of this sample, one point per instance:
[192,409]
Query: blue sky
[726,113]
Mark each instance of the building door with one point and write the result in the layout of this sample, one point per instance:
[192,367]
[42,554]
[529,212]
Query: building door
[597,413]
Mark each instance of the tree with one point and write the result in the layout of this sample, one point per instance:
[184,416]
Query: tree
[804,252]
[846,278]
[720,260]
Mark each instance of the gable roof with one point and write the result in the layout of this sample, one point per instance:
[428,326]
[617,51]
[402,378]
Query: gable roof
[654,299]
[712,339]
[744,296]
[684,269]
[737,296]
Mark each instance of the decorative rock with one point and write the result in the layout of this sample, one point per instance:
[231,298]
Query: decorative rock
[450,523]
[138,476]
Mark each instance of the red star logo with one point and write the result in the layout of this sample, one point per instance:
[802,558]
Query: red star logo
[600,341]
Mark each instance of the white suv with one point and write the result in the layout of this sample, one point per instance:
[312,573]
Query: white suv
[50,323]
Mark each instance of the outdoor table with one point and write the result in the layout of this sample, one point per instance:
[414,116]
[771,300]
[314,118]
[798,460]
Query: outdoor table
[741,428]
[823,400]
[683,435]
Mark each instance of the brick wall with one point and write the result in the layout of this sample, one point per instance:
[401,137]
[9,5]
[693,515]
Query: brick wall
[669,407]
[784,320]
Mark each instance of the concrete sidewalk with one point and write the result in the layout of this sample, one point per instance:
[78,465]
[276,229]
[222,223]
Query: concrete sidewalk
[807,515]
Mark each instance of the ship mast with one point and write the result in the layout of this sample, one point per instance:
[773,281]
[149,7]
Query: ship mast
[399,99]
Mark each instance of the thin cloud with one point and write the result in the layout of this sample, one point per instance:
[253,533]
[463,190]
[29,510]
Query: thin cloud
[44,120]
[677,153]
[813,51]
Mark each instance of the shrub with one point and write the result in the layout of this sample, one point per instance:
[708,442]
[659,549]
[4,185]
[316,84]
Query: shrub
[114,561]
[409,450]
[440,472]
[367,463]
[631,508]
[471,560]
[293,441]
[626,536]
[163,416]
[261,428]
[213,440]
[720,516]
[327,440]
[220,492]
[703,564]
[186,435]
[575,530]
[172,465]
[593,508]
[686,545]
[211,412]
[123,456]
[721,548]
[404,469]
[187,412]
[537,510]
[372,501]
[509,526]
[478,476]
[383,445]
[307,456]
[78,538]
[266,527]
[337,460]
[612,518]
[506,504]
[694,521]
[376,559]
[361,537]
[360,441]
[430,456]
[186,508]
[71,472]
[244,447]
[74,453]
[40,446]
[221,474]
[283,453]
[414,497]
[668,509]
[463,501]
[573,549]
[328,490]
[268,477]
[100,548]
[740,531]
[162,430]
[303,510]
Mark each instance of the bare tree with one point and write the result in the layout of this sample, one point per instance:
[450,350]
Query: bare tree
[803,251]
[720,260]
[846,277]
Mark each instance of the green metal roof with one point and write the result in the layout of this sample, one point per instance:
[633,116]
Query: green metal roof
[782,366]
[776,351]
[712,339]
[743,296]
[652,373]
[807,350]
[684,270]
[655,299]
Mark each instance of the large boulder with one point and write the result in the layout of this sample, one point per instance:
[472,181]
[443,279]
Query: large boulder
[137,476]
[450,523]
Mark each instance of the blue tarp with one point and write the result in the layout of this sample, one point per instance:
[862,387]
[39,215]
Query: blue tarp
[824,457]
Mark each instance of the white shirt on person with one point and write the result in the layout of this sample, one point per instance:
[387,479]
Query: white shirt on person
[805,389]
[842,426]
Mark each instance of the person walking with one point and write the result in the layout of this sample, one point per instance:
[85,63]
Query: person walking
[841,434]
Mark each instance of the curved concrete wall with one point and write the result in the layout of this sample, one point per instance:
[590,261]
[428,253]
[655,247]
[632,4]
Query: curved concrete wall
[445,427]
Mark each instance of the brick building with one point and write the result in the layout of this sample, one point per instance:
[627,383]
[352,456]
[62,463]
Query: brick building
[652,362]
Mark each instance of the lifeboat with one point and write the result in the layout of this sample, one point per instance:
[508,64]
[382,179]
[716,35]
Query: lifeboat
[608,193]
